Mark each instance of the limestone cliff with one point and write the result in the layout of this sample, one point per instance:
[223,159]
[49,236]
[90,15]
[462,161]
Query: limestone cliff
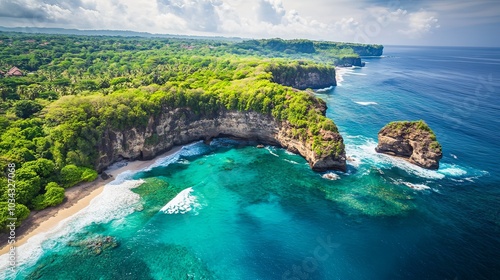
[413,141]
[349,61]
[304,76]
[368,50]
[182,126]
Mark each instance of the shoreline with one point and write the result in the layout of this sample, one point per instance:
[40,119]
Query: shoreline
[76,199]
[339,74]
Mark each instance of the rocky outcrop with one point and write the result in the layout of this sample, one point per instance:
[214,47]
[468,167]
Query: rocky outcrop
[368,50]
[182,126]
[304,76]
[413,141]
[349,61]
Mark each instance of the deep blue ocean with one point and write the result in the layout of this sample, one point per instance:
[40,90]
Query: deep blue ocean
[232,211]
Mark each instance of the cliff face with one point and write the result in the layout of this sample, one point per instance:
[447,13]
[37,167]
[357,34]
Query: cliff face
[349,61]
[183,126]
[413,141]
[369,50]
[303,76]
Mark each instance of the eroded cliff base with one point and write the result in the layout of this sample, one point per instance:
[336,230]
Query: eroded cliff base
[183,126]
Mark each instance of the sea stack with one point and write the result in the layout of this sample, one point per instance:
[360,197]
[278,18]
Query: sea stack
[413,141]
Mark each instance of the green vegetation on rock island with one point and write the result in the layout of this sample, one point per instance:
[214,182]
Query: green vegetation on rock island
[413,140]
[74,89]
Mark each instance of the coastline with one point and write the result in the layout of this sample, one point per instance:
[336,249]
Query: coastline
[339,74]
[76,199]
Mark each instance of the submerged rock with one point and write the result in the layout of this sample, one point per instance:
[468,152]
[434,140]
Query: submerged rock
[95,245]
[412,141]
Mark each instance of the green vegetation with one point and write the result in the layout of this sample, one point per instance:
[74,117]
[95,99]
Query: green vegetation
[319,51]
[409,126]
[76,87]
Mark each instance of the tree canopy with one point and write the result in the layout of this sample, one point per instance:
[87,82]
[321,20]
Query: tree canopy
[75,87]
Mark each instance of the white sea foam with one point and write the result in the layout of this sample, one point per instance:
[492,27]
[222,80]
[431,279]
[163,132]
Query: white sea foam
[418,187]
[324,89]
[340,72]
[291,161]
[357,74]
[188,150]
[362,149]
[365,153]
[164,161]
[114,203]
[184,202]
[366,103]
[270,149]
[330,176]
[452,170]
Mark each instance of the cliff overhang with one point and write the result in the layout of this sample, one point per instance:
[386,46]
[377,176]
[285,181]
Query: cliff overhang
[181,126]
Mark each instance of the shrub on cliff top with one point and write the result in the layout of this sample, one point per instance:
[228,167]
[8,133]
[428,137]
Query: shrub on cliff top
[415,126]
[420,125]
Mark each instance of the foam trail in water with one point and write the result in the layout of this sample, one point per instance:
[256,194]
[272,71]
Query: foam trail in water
[418,187]
[451,170]
[184,202]
[358,74]
[366,103]
[324,89]
[271,151]
[291,161]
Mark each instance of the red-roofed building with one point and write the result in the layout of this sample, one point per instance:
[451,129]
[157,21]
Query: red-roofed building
[14,71]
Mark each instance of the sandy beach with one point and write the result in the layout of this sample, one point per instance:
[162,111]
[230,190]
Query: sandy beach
[76,199]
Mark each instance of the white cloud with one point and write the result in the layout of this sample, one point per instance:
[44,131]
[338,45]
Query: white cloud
[55,12]
[198,15]
[364,21]
[420,23]
[384,16]
[346,26]
[270,11]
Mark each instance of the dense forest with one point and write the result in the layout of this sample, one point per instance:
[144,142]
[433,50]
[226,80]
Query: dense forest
[68,89]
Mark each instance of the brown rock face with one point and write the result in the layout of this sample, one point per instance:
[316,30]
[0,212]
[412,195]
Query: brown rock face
[303,76]
[413,141]
[182,126]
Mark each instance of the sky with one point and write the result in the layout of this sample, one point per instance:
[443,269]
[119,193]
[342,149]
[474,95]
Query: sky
[389,22]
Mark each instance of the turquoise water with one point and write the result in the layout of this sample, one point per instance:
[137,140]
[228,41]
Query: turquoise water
[232,211]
